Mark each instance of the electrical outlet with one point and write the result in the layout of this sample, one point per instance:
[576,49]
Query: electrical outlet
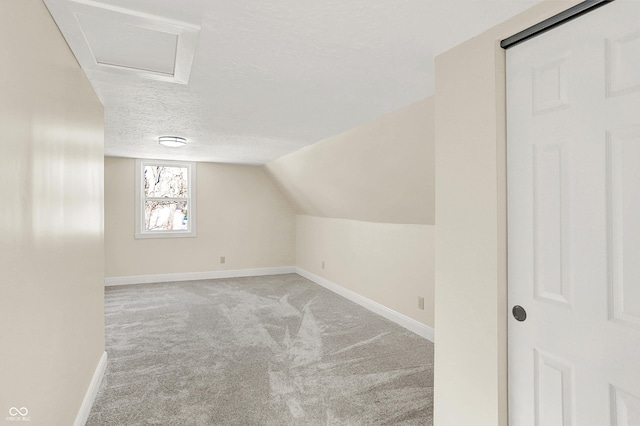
[421,303]
[223,259]
[323,264]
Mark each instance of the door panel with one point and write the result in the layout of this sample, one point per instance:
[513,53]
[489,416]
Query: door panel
[626,408]
[550,224]
[554,395]
[624,206]
[573,174]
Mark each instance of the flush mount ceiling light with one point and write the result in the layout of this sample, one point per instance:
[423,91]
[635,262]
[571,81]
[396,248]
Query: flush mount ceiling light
[172,141]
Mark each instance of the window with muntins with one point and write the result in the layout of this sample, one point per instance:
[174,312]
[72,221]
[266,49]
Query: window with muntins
[165,199]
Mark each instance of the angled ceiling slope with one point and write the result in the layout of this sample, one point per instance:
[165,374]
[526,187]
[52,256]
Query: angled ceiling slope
[259,79]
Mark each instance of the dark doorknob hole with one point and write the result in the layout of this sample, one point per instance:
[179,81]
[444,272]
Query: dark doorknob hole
[519,313]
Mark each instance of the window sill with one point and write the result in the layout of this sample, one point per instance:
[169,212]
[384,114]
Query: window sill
[173,234]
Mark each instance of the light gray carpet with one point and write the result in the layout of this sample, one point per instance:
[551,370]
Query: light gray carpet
[276,350]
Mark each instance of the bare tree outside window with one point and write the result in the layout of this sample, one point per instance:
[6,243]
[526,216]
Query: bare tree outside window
[165,199]
[166,192]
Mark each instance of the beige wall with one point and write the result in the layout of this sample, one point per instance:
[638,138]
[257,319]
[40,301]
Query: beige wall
[381,171]
[241,215]
[51,220]
[391,264]
[366,204]
[470,260]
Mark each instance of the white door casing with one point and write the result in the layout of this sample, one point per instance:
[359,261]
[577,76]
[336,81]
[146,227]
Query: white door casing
[573,177]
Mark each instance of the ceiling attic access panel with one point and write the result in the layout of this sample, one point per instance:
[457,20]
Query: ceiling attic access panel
[132,47]
[111,39]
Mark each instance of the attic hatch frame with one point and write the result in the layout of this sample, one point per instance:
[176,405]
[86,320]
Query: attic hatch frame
[553,22]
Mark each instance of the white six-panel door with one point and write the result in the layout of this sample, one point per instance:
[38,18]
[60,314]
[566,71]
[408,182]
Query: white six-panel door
[573,161]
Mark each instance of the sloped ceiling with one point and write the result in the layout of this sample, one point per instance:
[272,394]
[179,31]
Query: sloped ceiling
[249,81]
[382,171]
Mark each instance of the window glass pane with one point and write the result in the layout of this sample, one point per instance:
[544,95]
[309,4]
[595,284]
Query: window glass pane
[166,216]
[164,181]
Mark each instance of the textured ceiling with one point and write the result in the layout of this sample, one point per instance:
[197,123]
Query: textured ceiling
[268,78]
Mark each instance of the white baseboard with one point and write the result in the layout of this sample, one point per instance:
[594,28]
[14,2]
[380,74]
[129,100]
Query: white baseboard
[409,323]
[92,391]
[190,276]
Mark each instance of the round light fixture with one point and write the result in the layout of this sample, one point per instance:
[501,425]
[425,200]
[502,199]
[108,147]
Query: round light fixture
[172,141]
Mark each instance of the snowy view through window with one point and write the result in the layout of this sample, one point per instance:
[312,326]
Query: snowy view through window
[166,191]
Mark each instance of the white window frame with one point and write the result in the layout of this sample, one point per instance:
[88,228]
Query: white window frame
[140,232]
